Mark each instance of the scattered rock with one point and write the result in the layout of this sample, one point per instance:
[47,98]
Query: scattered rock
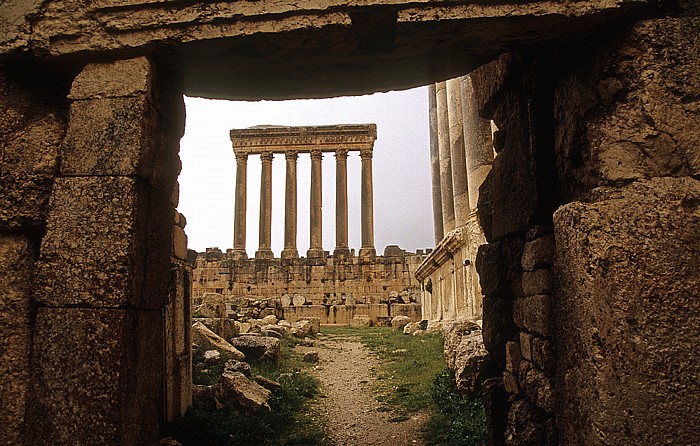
[213,306]
[237,366]
[411,328]
[310,357]
[263,348]
[272,386]
[169,441]
[243,327]
[275,331]
[399,322]
[270,319]
[465,354]
[209,340]
[235,391]
[203,398]
[211,357]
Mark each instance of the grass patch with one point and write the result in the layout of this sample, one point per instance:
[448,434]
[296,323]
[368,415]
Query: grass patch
[290,423]
[407,367]
[455,421]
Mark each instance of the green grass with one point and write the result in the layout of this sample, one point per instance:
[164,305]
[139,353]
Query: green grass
[407,367]
[290,423]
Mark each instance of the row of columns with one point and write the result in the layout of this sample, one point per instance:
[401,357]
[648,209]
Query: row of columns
[315,212]
[461,153]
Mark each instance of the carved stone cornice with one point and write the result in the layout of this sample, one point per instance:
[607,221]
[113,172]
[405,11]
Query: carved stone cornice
[444,251]
[330,138]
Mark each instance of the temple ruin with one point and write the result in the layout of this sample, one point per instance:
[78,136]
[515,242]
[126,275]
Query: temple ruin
[590,210]
[342,288]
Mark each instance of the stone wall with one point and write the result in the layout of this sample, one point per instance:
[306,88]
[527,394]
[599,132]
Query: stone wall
[586,308]
[337,291]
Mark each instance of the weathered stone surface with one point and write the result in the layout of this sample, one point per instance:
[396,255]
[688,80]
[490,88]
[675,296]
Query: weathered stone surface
[207,339]
[179,246]
[213,306]
[498,327]
[235,391]
[538,253]
[538,387]
[543,355]
[399,322]
[526,345]
[465,354]
[526,425]
[233,365]
[496,406]
[272,386]
[107,244]
[211,357]
[310,357]
[538,281]
[16,260]
[537,314]
[97,377]
[261,348]
[203,398]
[513,357]
[626,327]
[123,78]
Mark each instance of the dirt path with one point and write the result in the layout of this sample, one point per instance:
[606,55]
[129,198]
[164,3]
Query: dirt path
[346,370]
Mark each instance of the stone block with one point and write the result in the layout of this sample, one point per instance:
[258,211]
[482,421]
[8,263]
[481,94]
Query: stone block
[16,259]
[539,388]
[96,377]
[492,269]
[627,305]
[107,244]
[526,345]
[543,355]
[518,312]
[498,327]
[510,383]
[538,253]
[513,357]
[121,78]
[526,424]
[538,281]
[179,243]
[538,314]
[27,166]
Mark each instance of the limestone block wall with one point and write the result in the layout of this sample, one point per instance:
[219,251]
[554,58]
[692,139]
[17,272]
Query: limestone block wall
[316,287]
[591,214]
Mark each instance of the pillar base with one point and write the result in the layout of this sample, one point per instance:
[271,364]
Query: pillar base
[315,253]
[290,254]
[239,254]
[367,253]
[341,253]
[264,254]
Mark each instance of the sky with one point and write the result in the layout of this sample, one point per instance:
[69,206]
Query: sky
[401,171]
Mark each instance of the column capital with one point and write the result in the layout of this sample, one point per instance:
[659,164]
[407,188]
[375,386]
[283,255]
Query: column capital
[266,156]
[241,156]
[341,153]
[316,154]
[366,153]
[291,155]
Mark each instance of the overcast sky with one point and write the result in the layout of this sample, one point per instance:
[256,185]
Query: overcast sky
[401,162]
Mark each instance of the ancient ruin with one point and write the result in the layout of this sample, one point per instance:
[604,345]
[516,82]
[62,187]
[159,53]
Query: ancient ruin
[591,209]
[342,288]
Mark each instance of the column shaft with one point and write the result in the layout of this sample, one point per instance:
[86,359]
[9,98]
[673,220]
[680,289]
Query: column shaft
[265,232]
[477,139]
[290,208]
[459,164]
[448,207]
[316,212]
[341,204]
[239,222]
[435,165]
[367,206]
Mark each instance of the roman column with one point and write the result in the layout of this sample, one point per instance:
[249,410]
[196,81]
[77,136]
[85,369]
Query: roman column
[240,210]
[477,141]
[316,215]
[443,127]
[459,164]
[367,206]
[435,166]
[264,243]
[341,204]
[290,207]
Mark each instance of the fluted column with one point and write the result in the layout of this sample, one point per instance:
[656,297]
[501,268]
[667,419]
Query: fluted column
[438,229]
[477,140]
[265,232]
[290,207]
[459,164]
[367,206]
[448,206]
[341,204]
[316,213]
[240,210]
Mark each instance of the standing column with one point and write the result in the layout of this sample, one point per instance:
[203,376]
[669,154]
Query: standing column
[341,204]
[448,205]
[477,139]
[290,208]
[367,211]
[459,165]
[240,211]
[316,214]
[264,234]
[435,165]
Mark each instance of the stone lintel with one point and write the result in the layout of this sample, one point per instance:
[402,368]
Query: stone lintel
[282,139]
